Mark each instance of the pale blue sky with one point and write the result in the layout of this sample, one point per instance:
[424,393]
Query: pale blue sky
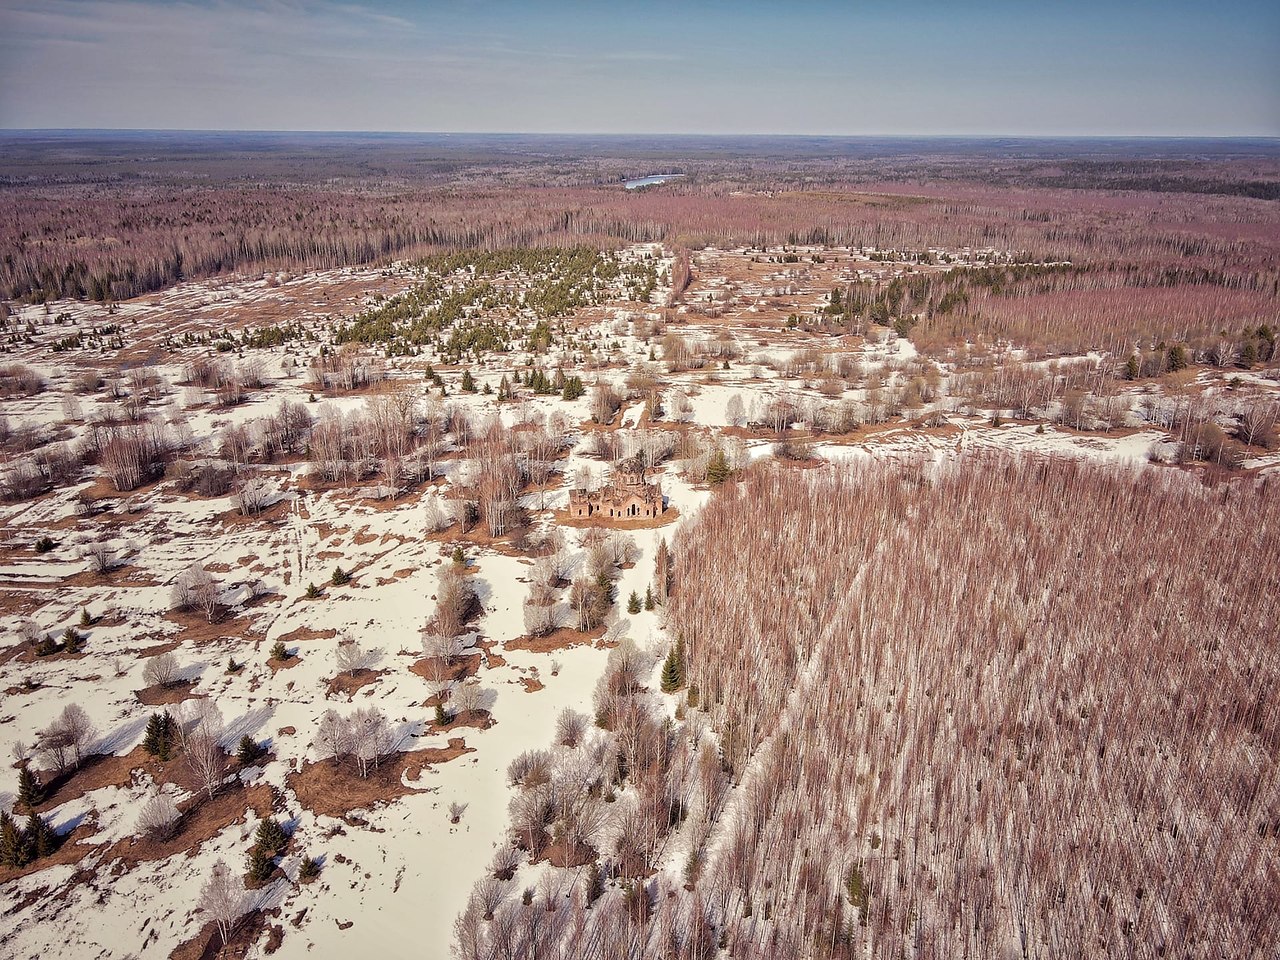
[1124,67]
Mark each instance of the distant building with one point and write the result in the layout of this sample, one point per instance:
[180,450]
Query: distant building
[630,495]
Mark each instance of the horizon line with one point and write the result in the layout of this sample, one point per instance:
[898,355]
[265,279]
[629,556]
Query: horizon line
[650,133]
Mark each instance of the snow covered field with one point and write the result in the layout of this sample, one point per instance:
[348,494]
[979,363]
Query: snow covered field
[395,872]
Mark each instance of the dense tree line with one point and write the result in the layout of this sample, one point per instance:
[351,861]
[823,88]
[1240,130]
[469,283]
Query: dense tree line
[921,711]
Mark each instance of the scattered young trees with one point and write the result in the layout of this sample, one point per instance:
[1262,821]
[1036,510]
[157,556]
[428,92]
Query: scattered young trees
[196,589]
[63,744]
[362,739]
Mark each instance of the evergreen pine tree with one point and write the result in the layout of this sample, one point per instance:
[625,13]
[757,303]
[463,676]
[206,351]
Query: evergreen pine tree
[633,603]
[468,382]
[30,790]
[249,751]
[718,468]
[662,572]
[40,836]
[10,840]
[648,598]
[158,740]
[26,846]
[271,836]
[673,669]
[72,641]
[1132,367]
[261,866]
[85,619]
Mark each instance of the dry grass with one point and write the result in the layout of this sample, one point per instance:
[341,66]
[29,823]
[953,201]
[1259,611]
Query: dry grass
[334,790]
[561,639]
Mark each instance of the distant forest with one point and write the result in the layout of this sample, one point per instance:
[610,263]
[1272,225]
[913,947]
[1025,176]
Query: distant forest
[111,216]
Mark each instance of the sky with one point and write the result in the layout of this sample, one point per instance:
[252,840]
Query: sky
[1012,67]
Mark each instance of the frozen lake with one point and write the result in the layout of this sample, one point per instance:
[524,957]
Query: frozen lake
[651,181]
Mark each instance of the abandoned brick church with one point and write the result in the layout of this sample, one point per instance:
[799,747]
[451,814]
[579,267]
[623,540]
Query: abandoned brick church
[629,495]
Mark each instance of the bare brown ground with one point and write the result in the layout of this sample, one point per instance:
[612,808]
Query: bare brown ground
[157,696]
[491,656]
[478,719]
[434,669]
[348,682]
[29,655]
[95,772]
[667,517]
[532,684]
[285,664]
[201,820]
[477,536]
[303,634]
[102,489]
[561,639]
[24,602]
[326,532]
[196,629]
[127,575]
[334,790]
[272,514]
[155,649]
[396,576]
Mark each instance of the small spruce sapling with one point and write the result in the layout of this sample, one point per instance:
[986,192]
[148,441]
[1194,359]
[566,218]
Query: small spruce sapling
[249,751]
[261,865]
[158,740]
[72,641]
